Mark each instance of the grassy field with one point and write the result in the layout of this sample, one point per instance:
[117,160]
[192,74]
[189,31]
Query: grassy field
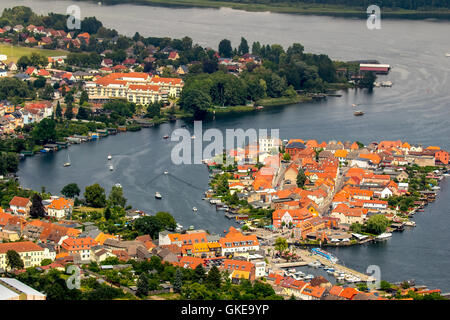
[15,52]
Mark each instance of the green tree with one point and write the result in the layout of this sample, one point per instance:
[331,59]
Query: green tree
[286,157]
[377,224]
[225,49]
[45,131]
[178,281]
[69,112]
[243,46]
[148,225]
[107,213]
[214,278]
[46,262]
[167,220]
[116,197]
[37,209]
[71,190]
[281,244]
[23,62]
[142,285]
[95,196]
[368,80]
[195,101]
[199,274]
[13,260]
[301,178]
[84,97]
[58,111]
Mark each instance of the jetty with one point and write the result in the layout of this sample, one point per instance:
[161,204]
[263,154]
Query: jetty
[309,257]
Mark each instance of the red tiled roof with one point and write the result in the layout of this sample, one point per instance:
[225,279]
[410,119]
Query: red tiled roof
[24,246]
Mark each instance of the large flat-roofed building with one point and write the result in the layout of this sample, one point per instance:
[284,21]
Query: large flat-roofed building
[13,289]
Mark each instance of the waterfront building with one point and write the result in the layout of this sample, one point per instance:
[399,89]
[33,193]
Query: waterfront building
[136,87]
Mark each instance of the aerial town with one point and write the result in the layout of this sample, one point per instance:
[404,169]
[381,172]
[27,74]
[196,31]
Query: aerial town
[289,202]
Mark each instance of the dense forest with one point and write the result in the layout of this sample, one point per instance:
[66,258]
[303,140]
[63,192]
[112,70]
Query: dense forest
[403,4]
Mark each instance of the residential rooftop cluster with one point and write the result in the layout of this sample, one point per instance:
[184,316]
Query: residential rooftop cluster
[343,184]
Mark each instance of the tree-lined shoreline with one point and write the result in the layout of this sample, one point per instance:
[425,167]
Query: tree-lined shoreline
[302,8]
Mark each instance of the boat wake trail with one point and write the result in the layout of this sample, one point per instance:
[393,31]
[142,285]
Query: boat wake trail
[176,178]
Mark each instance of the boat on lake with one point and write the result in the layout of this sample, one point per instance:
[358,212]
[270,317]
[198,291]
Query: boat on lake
[111,168]
[166,137]
[410,223]
[447,55]
[325,254]
[194,209]
[158,195]
[358,113]
[109,157]
[191,228]
[67,163]
[383,236]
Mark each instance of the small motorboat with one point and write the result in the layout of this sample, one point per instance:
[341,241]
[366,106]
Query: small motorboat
[383,236]
[292,270]
[340,278]
[353,105]
[166,172]
[300,273]
[309,277]
[158,195]
[166,137]
[330,271]
[109,157]
[67,163]
[111,168]
[297,277]
[358,113]
[191,227]
[194,209]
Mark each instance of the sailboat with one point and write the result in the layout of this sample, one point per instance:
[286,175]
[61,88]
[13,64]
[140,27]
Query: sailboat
[67,164]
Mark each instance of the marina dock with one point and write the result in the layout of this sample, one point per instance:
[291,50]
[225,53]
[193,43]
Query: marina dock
[309,257]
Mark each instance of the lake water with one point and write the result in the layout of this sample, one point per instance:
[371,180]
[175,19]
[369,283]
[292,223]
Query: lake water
[415,109]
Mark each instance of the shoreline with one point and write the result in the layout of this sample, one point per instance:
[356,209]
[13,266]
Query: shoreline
[300,9]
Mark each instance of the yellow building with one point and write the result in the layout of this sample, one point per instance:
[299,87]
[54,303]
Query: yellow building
[30,253]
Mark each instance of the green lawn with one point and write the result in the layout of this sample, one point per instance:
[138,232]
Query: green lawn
[15,52]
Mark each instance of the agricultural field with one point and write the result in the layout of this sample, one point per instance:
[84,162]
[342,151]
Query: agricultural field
[15,52]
